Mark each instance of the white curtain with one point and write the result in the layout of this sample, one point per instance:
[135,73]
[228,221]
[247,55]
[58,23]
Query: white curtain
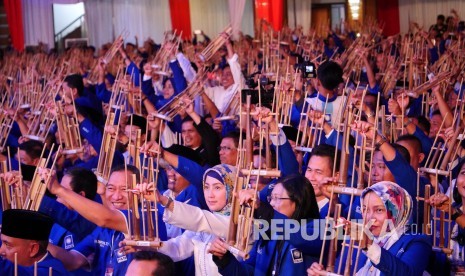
[425,12]
[236,10]
[106,19]
[301,15]
[248,18]
[212,16]
[38,22]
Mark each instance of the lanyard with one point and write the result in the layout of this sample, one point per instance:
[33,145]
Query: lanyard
[277,260]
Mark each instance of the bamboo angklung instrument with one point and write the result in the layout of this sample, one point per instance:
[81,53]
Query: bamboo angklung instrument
[241,220]
[109,55]
[16,189]
[144,220]
[68,128]
[39,185]
[174,106]
[5,189]
[417,91]
[215,45]
[161,59]
[111,130]
[435,166]
[6,121]
[40,125]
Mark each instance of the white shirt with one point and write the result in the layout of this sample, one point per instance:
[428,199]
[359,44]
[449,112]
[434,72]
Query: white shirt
[221,97]
[332,110]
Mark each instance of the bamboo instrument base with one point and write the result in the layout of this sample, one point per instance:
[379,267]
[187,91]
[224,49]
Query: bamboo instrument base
[238,252]
[144,243]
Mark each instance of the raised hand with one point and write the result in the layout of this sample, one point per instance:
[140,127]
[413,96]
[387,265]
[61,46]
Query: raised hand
[218,248]
[364,128]
[248,196]
[316,269]
[439,201]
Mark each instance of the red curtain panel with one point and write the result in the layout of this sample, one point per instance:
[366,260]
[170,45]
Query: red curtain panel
[15,23]
[271,11]
[388,13]
[180,17]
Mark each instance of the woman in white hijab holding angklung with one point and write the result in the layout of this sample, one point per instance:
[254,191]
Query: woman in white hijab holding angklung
[394,251]
[201,226]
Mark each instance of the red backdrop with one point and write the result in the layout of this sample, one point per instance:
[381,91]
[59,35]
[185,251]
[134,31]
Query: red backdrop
[272,11]
[15,23]
[180,17]
[388,13]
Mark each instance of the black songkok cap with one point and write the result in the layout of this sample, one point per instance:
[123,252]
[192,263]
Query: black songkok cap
[28,171]
[138,121]
[291,133]
[185,152]
[25,224]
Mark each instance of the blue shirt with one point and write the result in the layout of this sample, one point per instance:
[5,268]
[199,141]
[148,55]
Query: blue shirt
[7,267]
[104,244]
[61,237]
[295,255]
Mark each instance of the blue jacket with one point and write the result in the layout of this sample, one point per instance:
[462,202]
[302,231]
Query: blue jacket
[102,93]
[66,218]
[407,256]
[193,173]
[297,254]
[91,133]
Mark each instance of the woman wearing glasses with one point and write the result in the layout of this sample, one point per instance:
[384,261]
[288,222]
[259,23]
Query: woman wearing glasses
[292,198]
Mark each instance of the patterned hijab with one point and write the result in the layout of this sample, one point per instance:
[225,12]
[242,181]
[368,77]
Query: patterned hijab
[397,201]
[226,175]
[398,204]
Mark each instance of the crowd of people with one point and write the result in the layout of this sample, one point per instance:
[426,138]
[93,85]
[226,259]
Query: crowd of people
[369,134]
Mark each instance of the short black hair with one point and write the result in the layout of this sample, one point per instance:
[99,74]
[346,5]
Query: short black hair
[403,151]
[32,148]
[83,180]
[75,81]
[129,168]
[424,124]
[235,136]
[411,138]
[441,17]
[300,191]
[436,112]
[330,74]
[187,119]
[324,150]
[165,265]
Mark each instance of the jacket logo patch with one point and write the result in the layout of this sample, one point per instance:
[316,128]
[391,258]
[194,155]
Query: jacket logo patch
[69,242]
[297,256]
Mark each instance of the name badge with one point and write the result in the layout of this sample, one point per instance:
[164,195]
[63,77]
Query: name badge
[120,256]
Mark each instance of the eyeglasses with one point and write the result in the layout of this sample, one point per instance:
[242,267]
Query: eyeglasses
[275,198]
[224,148]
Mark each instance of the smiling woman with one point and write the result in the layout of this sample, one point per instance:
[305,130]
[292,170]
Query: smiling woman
[391,249]
[201,226]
